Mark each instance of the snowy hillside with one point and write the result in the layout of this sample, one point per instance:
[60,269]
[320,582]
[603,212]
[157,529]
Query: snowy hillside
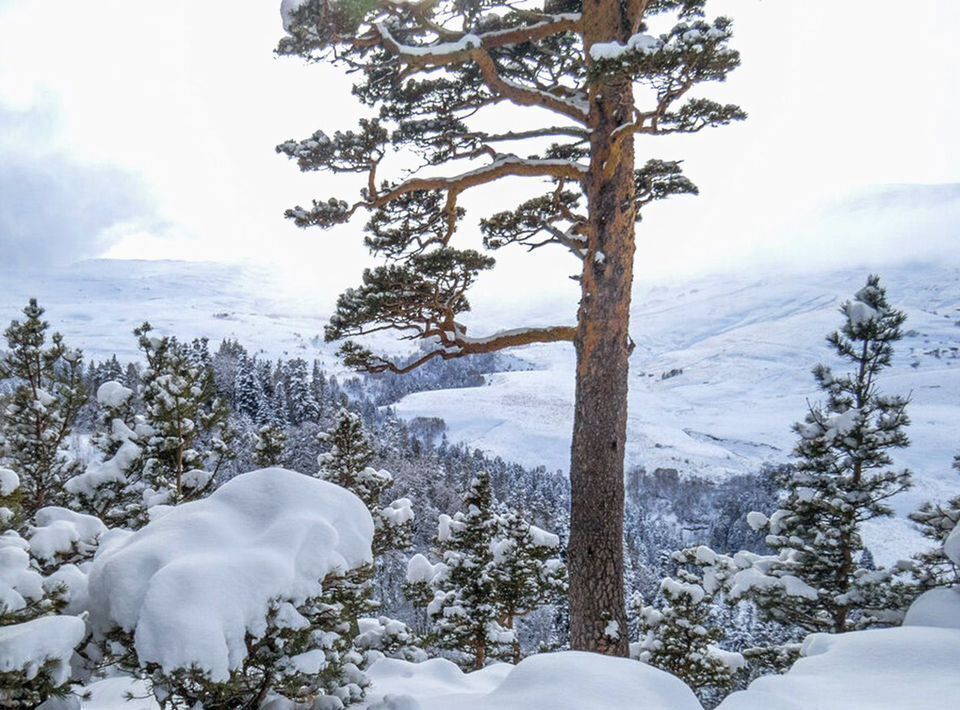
[740,350]
[96,305]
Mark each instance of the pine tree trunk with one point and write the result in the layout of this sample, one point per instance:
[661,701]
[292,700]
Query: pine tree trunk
[603,351]
[480,653]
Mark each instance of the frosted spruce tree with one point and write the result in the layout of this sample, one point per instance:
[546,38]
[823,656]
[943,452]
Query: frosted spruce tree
[932,568]
[346,462]
[188,442]
[495,568]
[303,405]
[247,389]
[432,73]
[526,571]
[112,488]
[271,444]
[464,611]
[679,639]
[843,478]
[37,416]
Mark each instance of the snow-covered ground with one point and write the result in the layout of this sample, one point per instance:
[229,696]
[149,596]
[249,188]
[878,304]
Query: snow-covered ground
[745,345]
[547,681]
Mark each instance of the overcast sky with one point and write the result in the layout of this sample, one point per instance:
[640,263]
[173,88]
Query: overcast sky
[147,130]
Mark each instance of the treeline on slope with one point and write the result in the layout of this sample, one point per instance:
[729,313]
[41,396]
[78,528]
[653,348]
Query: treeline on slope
[665,511]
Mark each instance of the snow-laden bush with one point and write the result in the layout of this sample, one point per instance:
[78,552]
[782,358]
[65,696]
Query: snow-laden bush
[61,536]
[35,659]
[35,645]
[385,637]
[231,598]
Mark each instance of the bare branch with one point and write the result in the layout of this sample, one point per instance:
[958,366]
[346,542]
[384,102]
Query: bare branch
[505,166]
[461,346]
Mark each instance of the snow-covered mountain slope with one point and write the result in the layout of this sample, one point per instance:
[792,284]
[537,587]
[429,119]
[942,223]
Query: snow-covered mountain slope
[720,373]
[96,304]
[740,350]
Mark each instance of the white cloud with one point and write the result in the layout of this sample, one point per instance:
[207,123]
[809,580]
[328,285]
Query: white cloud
[190,97]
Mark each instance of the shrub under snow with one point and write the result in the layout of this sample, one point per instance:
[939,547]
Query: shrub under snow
[234,588]
[35,658]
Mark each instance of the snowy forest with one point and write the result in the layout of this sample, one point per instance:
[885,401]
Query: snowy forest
[194,517]
[463,554]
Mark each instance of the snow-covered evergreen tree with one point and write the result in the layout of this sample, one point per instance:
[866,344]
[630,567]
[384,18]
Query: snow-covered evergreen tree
[526,571]
[37,417]
[112,489]
[248,394]
[271,444]
[303,406]
[464,610]
[679,639]
[495,568]
[932,568]
[346,462]
[842,479]
[189,436]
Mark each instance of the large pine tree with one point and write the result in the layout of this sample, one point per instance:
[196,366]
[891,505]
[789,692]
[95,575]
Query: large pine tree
[432,73]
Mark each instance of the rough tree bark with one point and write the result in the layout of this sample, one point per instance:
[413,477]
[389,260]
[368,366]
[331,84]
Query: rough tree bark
[603,351]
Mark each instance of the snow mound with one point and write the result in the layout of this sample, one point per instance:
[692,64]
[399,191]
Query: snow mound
[59,531]
[552,681]
[936,607]
[113,394]
[396,679]
[19,582]
[30,646]
[9,482]
[881,669]
[194,583]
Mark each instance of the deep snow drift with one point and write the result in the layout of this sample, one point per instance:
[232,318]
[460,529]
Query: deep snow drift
[569,680]
[907,668]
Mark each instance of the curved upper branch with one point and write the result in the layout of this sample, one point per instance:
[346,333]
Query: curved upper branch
[476,48]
